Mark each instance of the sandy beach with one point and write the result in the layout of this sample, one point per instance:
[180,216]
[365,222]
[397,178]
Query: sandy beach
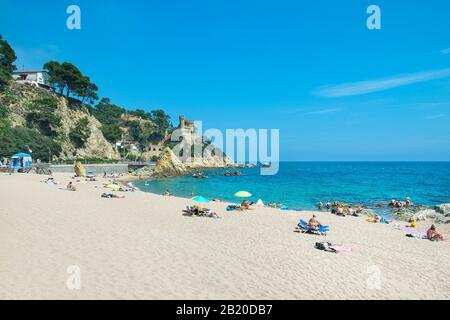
[142,247]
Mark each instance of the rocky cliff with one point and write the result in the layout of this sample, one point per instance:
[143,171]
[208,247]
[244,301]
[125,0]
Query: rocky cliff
[18,102]
[439,214]
[169,165]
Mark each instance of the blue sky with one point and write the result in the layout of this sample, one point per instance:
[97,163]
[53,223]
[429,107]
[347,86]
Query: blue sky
[336,90]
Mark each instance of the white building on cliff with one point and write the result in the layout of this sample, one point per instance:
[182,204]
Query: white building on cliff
[36,78]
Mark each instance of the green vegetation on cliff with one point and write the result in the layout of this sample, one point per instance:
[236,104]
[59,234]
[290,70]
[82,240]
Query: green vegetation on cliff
[59,124]
[80,133]
[7,58]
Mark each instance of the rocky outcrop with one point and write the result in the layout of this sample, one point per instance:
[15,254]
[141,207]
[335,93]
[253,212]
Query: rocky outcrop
[422,213]
[79,169]
[443,209]
[169,165]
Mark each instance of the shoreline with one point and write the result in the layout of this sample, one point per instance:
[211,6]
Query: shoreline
[369,210]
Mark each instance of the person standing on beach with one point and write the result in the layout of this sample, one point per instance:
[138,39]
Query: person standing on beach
[408,202]
[320,205]
[350,211]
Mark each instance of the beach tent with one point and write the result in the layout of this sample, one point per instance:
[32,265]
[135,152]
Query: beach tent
[260,203]
[22,160]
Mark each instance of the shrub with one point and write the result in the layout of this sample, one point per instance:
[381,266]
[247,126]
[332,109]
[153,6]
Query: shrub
[80,133]
[43,117]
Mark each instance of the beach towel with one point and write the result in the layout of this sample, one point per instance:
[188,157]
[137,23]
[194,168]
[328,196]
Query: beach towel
[340,249]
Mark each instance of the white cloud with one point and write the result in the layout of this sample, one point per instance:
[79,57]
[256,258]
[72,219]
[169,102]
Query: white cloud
[365,87]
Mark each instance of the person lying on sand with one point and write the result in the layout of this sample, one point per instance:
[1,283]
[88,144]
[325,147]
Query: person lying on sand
[314,223]
[50,181]
[111,196]
[71,187]
[199,211]
[433,235]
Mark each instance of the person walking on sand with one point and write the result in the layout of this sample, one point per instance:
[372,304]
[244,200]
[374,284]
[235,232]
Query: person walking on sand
[433,235]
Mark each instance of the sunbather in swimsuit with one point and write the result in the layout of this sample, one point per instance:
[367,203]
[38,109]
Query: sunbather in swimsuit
[110,196]
[433,235]
[314,223]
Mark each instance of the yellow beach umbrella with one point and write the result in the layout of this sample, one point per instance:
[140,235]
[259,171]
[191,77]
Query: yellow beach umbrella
[114,187]
[243,194]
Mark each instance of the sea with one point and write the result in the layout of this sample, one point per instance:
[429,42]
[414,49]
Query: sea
[301,185]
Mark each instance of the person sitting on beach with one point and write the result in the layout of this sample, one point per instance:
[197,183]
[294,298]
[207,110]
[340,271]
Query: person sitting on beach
[433,235]
[111,196]
[350,211]
[377,219]
[340,211]
[320,205]
[314,223]
[167,193]
[359,210]
[245,205]
[71,187]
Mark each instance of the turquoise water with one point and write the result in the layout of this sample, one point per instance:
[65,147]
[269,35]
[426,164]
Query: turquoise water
[301,185]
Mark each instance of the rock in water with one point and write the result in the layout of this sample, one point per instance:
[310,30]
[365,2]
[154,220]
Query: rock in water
[80,171]
[169,165]
[443,209]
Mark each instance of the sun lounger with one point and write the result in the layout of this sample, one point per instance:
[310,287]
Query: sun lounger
[304,228]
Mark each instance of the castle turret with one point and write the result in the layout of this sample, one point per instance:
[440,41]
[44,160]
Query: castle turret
[182,122]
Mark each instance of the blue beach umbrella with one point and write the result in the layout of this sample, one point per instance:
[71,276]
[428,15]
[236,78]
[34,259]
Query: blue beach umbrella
[200,199]
[21,155]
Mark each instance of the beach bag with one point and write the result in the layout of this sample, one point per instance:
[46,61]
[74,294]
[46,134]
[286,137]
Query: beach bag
[325,246]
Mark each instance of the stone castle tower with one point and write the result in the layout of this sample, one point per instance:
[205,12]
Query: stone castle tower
[187,124]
